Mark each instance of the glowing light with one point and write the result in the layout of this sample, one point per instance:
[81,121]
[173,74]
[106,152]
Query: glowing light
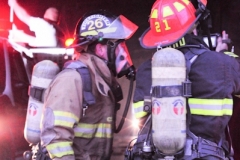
[135,123]
[68,42]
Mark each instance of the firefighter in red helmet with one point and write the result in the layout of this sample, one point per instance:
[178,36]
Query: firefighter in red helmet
[214,77]
[78,116]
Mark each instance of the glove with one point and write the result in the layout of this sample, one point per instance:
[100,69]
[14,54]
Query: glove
[222,42]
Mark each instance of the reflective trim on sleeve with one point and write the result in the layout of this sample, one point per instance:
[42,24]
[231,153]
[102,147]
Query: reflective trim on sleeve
[60,149]
[100,130]
[211,107]
[65,119]
[139,110]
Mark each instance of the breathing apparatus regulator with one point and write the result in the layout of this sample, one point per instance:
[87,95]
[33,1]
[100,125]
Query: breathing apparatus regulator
[105,28]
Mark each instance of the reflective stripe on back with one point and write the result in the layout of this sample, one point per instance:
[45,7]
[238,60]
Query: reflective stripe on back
[100,130]
[211,107]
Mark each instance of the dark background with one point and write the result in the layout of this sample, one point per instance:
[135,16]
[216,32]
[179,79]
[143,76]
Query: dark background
[225,16]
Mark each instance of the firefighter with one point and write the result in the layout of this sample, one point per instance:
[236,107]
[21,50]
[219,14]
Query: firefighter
[46,29]
[215,79]
[71,130]
[47,33]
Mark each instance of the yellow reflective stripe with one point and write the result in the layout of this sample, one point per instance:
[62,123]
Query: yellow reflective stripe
[211,112]
[100,130]
[186,2]
[154,13]
[65,119]
[60,149]
[211,107]
[138,109]
[140,114]
[167,11]
[231,54]
[104,30]
[179,7]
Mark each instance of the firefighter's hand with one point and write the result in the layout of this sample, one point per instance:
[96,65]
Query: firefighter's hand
[222,42]
[11,3]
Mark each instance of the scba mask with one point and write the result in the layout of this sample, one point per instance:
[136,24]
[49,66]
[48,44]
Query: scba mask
[119,60]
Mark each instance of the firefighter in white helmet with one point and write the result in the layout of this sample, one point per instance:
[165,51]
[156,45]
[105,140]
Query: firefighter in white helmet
[71,130]
[215,78]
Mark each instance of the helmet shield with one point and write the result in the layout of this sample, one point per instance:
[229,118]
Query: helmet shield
[120,28]
[169,21]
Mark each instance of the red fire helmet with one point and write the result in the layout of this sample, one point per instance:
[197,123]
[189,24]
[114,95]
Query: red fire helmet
[169,21]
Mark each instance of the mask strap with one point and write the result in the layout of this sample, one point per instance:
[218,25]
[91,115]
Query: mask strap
[111,47]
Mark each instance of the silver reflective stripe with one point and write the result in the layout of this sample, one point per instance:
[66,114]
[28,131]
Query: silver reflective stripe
[211,107]
[139,110]
[92,130]
[60,149]
[100,130]
[65,119]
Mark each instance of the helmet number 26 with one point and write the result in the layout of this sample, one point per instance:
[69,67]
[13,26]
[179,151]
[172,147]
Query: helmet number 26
[93,24]
[157,26]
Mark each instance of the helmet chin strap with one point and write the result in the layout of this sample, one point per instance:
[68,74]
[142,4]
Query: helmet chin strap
[111,47]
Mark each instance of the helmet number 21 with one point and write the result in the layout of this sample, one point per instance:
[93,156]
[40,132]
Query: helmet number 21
[93,24]
[157,26]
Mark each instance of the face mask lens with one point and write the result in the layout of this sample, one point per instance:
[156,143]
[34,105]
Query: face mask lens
[123,60]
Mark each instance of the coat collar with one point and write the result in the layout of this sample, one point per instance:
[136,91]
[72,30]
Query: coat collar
[101,73]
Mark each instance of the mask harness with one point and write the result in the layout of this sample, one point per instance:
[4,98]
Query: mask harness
[111,47]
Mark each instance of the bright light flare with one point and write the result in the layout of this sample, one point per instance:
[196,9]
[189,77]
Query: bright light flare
[135,123]
[68,42]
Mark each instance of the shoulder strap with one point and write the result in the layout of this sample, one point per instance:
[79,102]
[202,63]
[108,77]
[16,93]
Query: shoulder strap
[82,69]
[193,51]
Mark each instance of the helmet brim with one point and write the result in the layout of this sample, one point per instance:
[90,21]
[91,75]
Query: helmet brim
[149,40]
